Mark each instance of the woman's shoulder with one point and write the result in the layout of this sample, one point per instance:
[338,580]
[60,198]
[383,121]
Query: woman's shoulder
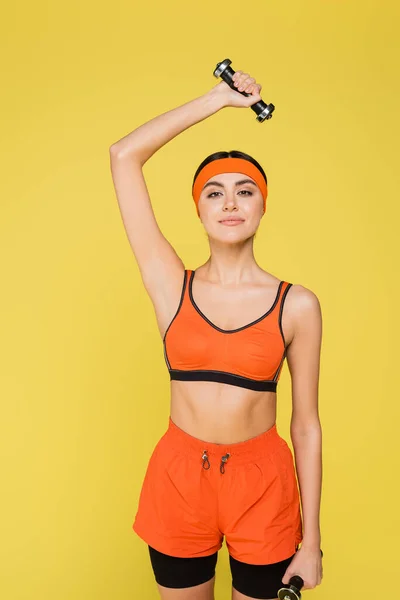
[302,300]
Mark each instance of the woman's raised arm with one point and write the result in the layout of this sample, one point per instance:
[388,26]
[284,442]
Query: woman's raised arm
[160,267]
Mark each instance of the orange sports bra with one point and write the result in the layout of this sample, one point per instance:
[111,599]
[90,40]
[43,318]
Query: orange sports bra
[251,356]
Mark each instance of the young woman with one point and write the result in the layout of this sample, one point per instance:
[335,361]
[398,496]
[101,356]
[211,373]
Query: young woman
[221,468]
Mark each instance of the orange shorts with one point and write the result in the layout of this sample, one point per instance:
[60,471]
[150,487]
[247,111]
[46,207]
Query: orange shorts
[191,498]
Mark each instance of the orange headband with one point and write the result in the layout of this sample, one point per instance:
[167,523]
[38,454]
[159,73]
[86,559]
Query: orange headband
[228,165]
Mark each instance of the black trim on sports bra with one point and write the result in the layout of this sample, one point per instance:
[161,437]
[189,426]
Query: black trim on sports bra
[174,317]
[281,311]
[179,305]
[277,372]
[239,328]
[266,385]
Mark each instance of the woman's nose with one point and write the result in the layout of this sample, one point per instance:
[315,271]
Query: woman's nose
[230,202]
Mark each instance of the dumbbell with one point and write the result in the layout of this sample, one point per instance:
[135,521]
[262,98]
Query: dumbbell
[292,592]
[262,110]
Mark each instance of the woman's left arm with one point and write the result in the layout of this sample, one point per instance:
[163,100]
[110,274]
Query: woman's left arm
[303,358]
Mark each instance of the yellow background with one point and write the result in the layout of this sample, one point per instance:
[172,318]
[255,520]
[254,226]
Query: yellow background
[84,387]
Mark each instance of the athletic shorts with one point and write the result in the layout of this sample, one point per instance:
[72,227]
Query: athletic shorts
[195,493]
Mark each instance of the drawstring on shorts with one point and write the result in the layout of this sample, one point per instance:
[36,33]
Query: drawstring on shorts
[205,460]
[223,461]
[222,465]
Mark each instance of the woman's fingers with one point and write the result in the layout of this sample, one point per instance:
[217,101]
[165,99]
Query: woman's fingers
[253,88]
[243,82]
[249,84]
[239,78]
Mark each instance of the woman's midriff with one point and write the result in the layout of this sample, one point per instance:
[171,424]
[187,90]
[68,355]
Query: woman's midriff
[221,413]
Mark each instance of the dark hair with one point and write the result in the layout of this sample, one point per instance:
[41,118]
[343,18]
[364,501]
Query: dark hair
[230,154]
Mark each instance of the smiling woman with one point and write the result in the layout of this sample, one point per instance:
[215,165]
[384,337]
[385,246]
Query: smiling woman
[233,161]
[231,220]
[221,468]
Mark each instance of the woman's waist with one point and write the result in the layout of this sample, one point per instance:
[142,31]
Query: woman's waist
[222,416]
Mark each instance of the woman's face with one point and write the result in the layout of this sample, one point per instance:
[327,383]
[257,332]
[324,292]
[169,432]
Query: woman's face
[231,196]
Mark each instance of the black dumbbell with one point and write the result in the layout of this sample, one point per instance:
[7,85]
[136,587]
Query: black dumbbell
[292,592]
[262,110]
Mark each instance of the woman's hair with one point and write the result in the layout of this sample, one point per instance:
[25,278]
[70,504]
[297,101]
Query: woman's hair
[230,154]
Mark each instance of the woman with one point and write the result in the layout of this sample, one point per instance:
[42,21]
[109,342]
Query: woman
[221,468]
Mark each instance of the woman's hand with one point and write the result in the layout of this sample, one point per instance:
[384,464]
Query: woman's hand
[307,563]
[244,83]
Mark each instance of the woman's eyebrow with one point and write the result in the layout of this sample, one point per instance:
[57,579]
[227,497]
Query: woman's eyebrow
[240,182]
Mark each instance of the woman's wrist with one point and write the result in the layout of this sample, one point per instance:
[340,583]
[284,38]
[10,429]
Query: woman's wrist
[312,542]
[215,99]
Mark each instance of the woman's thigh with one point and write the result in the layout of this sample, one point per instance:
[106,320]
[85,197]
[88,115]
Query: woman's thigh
[184,578]
[257,581]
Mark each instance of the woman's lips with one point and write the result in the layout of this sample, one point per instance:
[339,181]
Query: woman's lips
[232,222]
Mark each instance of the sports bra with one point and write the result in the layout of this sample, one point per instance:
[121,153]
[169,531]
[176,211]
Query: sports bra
[251,356]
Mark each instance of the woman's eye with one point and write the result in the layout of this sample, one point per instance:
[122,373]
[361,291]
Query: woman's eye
[246,191]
